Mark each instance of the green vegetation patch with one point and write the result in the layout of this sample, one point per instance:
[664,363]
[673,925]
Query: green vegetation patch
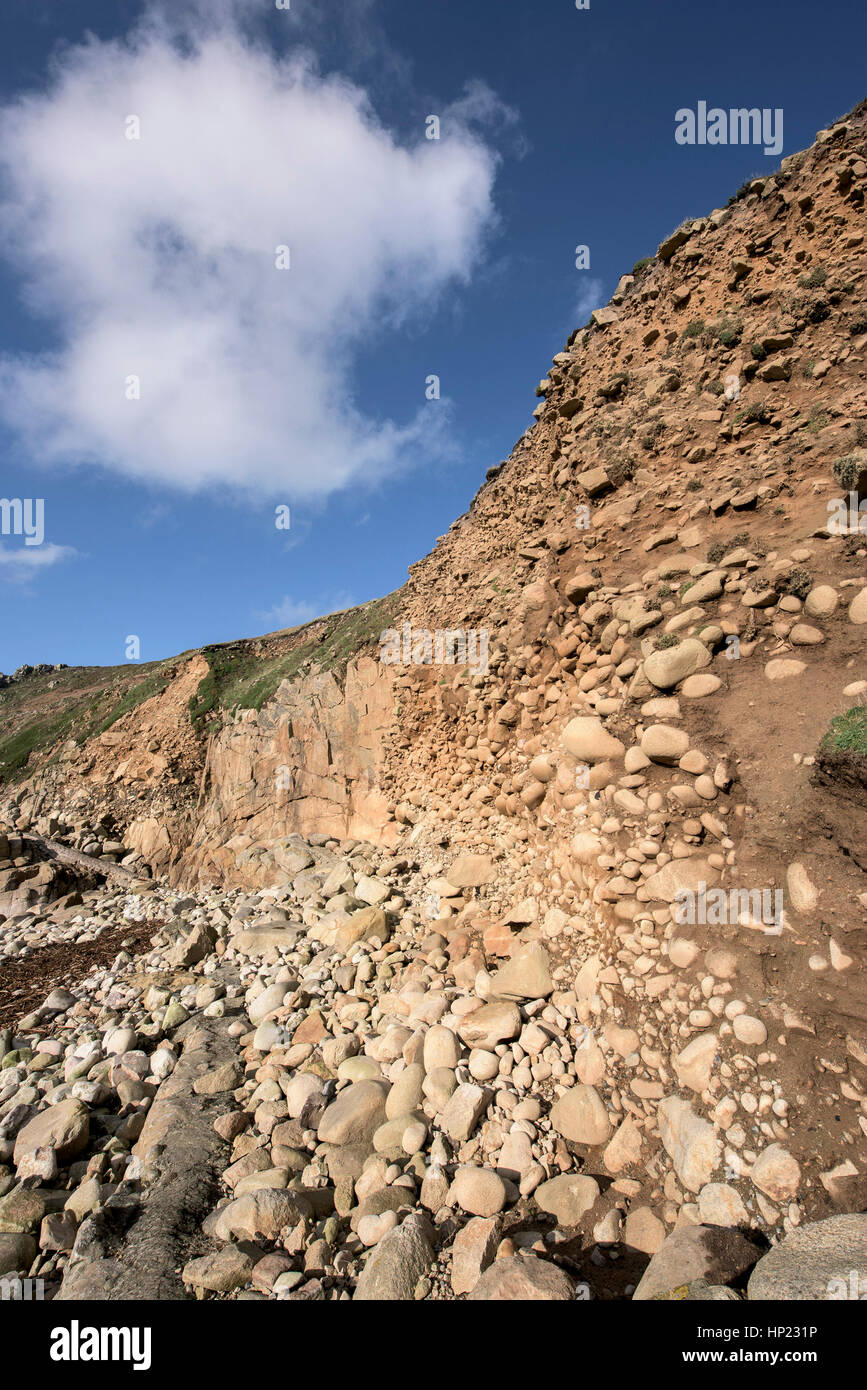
[797,582]
[756,414]
[819,420]
[240,678]
[850,469]
[847,733]
[816,278]
[727,331]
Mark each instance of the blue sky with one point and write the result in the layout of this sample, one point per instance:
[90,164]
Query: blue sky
[408,258]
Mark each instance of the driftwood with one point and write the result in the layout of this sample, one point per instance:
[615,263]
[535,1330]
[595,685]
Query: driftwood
[50,849]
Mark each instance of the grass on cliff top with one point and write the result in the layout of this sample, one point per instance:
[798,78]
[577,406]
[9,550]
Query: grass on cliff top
[848,732]
[239,678]
[40,713]
[77,703]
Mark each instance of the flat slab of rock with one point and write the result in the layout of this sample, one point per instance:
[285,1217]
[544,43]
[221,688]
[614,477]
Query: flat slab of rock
[493,1023]
[680,876]
[471,871]
[815,1262]
[783,668]
[185,1156]
[526,976]
[221,1272]
[256,941]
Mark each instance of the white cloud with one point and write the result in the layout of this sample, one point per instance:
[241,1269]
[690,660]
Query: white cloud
[155,258]
[23,563]
[291,612]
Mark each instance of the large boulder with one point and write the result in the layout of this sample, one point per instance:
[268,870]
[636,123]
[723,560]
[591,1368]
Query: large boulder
[587,739]
[396,1263]
[667,248]
[355,1114]
[479,1191]
[526,976]
[714,1253]
[568,1197]
[220,1272]
[663,744]
[670,665]
[776,1173]
[858,607]
[824,1261]
[580,1116]
[523,1278]
[268,1002]
[369,922]
[473,1250]
[64,1127]
[266,936]
[261,1214]
[493,1023]
[463,1110]
[679,876]
[192,948]
[689,1141]
[17,1253]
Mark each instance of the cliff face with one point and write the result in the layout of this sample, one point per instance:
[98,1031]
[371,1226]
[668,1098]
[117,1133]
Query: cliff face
[310,762]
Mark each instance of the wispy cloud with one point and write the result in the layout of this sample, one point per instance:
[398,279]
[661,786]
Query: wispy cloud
[590,297]
[290,612]
[23,563]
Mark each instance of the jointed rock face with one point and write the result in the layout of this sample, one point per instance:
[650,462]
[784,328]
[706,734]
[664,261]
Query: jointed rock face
[543,980]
